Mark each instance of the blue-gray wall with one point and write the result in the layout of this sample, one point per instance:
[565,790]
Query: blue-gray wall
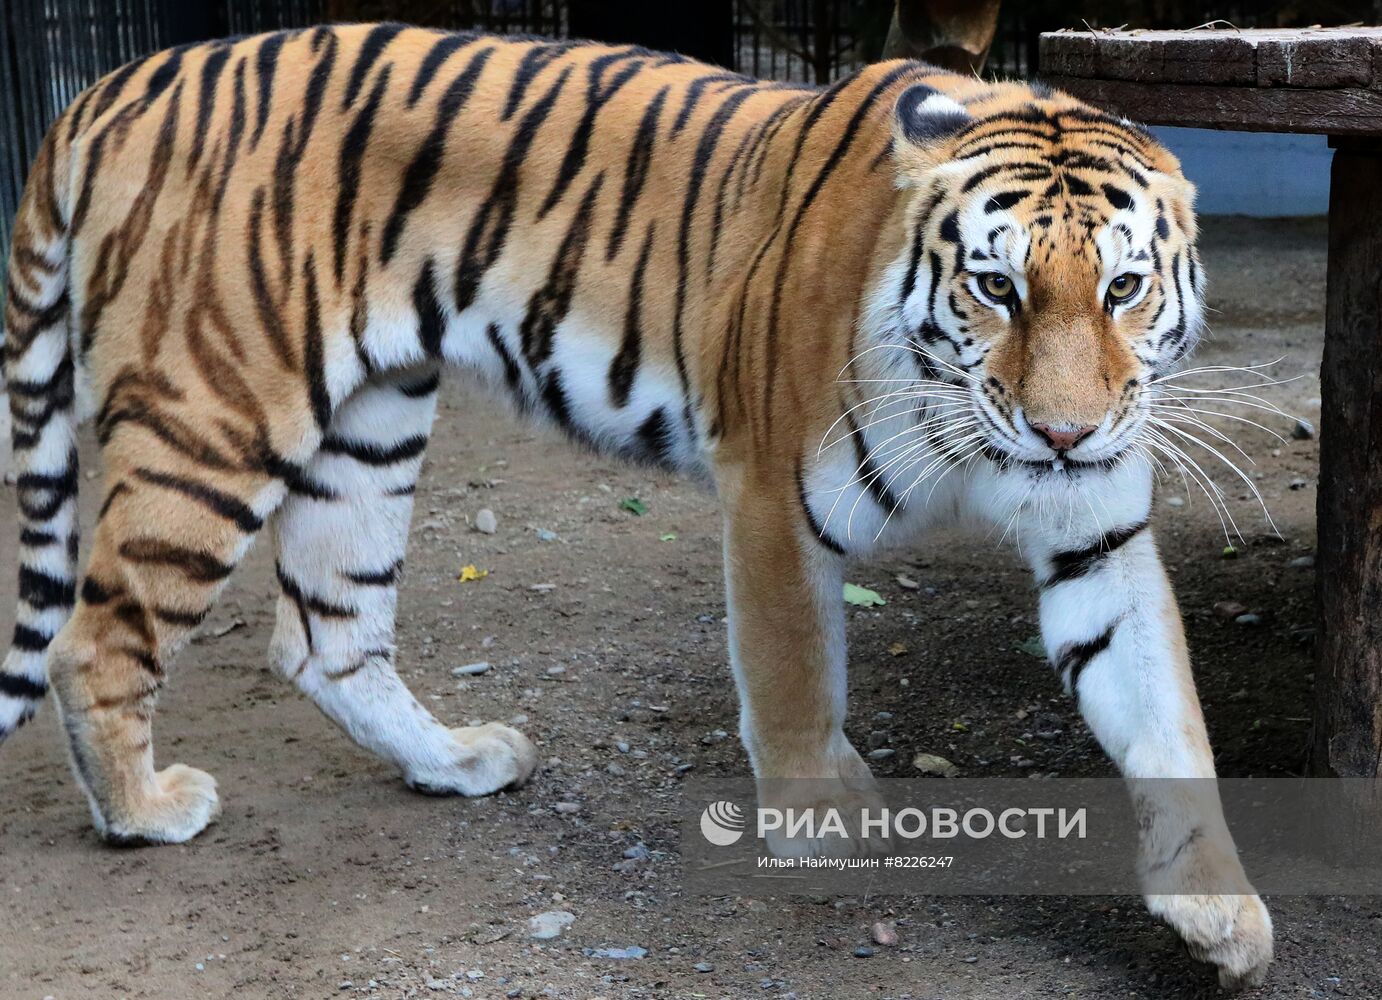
[1253,173]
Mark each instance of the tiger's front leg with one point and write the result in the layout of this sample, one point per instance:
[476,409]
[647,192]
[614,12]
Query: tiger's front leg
[787,649]
[1113,631]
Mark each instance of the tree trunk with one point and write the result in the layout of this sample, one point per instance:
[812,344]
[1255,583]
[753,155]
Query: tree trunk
[1348,676]
[952,34]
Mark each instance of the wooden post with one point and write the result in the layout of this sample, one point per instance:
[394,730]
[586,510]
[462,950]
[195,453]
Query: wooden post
[1348,679]
[952,34]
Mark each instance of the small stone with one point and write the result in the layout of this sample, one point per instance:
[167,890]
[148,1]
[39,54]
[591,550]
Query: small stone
[715,736]
[556,671]
[566,808]
[486,522]
[882,753]
[622,747]
[549,925]
[863,951]
[970,959]
[1302,562]
[543,588]
[906,582]
[1303,430]
[638,852]
[543,535]
[1175,501]
[471,669]
[1229,609]
[877,738]
[884,933]
[703,967]
[1248,620]
[929,763]
[1299,484]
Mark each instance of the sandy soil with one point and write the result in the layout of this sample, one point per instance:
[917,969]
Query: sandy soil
[325,876]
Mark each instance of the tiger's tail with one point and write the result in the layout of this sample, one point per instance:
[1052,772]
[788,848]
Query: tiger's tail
[39,373]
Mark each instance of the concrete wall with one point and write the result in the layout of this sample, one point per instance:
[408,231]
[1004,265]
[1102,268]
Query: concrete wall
[1253,173]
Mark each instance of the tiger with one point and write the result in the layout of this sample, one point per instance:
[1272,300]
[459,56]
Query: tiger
[855,312]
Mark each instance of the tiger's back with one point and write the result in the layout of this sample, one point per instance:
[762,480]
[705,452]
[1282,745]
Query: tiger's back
[595,228]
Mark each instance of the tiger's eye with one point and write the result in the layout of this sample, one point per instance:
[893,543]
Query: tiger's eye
[1124,287]
[998,287]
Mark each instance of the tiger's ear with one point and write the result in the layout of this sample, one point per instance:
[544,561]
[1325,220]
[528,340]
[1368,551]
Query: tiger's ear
[922,121]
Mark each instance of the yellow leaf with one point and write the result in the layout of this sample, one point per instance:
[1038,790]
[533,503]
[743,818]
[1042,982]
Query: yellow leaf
[471,573]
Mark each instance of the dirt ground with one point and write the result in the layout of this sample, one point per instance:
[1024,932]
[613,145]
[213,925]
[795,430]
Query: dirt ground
[325,876]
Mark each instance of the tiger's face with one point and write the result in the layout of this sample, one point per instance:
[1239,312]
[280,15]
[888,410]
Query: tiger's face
[1052,274]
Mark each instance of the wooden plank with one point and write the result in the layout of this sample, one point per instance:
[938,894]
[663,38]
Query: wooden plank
[1348,676]
[1346,111]
[1310,58]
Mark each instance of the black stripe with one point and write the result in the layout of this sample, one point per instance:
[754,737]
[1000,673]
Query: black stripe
[298,482]
[865,470]
[223,504]
[233,133]
[313,363]
[377,578]
[215,63]
[37,539]
[529,66]
[353,148]
[370,50]
[29,640]
[422,387]
[15,686]
[422,171]
[431,319]
[513,377]
[1072,565]
[490,228]
[1073,658]
[201,567]
[436,57]
[311,602]
[705,151]
[817,530]
[624,367]
[95,592]
[597,94]
[266,63]
[694,93]
[370,453]
[655,437]
[549,305]
[837,155]
[41,591]
[183,619]
[636,171]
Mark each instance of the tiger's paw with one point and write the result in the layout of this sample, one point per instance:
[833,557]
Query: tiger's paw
[1232,932]
[812,810]
[182,806]
[484,760]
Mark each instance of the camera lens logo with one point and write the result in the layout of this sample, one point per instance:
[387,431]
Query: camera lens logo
[722,823]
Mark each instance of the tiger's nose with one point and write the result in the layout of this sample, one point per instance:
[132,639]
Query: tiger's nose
[1063,440]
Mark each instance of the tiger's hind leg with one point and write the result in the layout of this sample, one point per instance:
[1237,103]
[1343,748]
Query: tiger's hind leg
[341,537]
[169,533]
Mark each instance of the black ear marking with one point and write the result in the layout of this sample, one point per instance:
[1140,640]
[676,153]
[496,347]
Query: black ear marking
[922,123]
